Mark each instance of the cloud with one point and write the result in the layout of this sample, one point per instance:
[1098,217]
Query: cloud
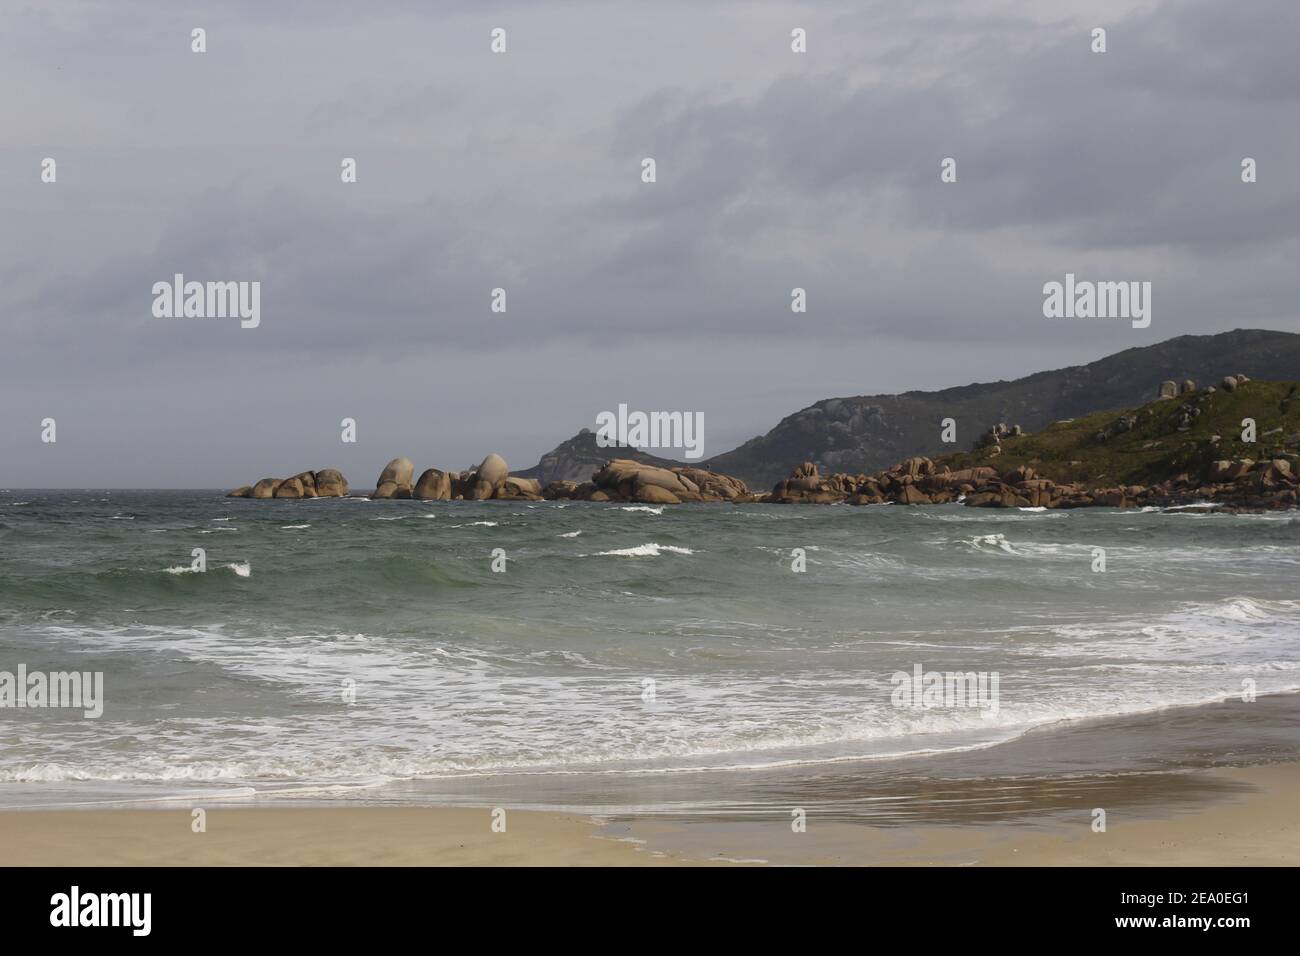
[523,171]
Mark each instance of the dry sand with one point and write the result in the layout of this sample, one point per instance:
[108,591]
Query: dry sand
[306,836]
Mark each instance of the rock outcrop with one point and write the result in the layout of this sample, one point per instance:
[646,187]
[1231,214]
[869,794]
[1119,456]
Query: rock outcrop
[265,488]
[625,479]
[290,488]
[395,480]
[326,483]
[330,483]
[434,485]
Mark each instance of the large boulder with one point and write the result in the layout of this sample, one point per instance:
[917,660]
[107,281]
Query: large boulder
[616,471]
[660,478]
[512,487]
[434,485]
[289,488]
[243,491]
[911,495]
[712,485]
[330,483]
[493,470]
[655,495]
[561,490]
[1168,390]
[265,488]
[399,471]
[308,481]
[385,490]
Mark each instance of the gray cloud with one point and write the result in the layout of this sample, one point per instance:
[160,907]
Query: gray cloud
[522,171]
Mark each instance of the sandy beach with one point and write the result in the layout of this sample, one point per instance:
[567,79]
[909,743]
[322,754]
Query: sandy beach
[1256,824]
[307,836]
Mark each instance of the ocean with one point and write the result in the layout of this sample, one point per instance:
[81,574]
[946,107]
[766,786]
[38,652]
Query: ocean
[368,650]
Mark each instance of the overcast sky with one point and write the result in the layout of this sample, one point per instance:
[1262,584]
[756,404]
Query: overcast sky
[522,170]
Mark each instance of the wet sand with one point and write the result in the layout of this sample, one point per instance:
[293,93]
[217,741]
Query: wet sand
[1254,821]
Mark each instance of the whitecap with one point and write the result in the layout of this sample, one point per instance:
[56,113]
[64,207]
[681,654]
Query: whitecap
[646,508]
[991,542]
[570,534]
[648,550]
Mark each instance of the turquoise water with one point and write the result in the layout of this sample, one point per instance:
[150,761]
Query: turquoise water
[345,643]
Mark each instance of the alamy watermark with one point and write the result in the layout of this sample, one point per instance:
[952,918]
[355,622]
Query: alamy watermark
[922,689]
[208,300]
[684,430]
[1084,299]
[79,690]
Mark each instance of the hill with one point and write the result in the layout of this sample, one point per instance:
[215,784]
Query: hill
[578,458]
[1157,441]
[866,433]
[1233,446]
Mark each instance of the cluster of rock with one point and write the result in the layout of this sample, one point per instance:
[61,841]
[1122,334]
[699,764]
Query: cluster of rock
[919,481]
[1172,389]
[916,481]
[993,437]
[623,479]
[491,479]
[326,483]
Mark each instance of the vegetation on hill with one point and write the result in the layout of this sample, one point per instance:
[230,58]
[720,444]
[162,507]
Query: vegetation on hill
[1155,441]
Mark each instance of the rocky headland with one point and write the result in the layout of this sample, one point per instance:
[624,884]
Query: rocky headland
[1235,445]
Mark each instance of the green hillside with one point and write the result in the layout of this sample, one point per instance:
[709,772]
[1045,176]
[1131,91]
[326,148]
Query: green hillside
[1143,445]
[867,433]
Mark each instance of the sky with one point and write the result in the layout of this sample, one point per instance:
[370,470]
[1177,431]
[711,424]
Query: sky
[522,170]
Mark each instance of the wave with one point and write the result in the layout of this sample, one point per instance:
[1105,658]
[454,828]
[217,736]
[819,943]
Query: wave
[645,508]
[990,543]
[649,550]
[242,569]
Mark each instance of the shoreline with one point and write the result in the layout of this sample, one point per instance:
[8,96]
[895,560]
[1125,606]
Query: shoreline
[1259,825]
[1029,801]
